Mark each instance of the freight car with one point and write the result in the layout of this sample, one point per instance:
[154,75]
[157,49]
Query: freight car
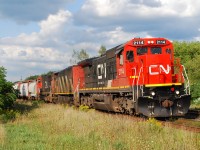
[140,76]
[60,87]
[29,89]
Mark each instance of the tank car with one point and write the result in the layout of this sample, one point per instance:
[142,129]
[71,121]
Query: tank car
[23,89]
[32,90]
[16,87]
[140,76]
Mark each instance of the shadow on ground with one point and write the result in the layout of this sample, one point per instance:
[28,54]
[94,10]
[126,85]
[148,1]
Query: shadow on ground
[21,107]
[192,114]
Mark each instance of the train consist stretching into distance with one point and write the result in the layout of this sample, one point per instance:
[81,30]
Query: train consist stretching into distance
[140,76]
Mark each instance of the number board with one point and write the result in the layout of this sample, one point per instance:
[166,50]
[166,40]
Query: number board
[138,42]
[160,42]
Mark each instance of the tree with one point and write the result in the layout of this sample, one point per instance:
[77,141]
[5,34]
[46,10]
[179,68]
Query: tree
[48,73]
[102,50]
[7,93]
[34,77]
[189,52]
[78,56]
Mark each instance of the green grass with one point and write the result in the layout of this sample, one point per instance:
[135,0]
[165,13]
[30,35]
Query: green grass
[195,104]
[60,127]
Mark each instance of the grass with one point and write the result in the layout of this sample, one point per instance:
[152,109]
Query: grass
[48,126]
[195,104]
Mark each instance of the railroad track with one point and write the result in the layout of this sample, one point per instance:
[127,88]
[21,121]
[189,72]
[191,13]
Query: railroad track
[192,125]
[184,124]
[193,114]
[190,122]
[194,111]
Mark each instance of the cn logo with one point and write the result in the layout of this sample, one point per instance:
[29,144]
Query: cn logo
[161,69]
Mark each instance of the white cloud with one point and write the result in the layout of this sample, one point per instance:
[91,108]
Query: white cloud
[23,11]
[119,36]
[182,8]
[34,51]
[141,8]
[55,23]
[168,18]
[50,29]
[104,7]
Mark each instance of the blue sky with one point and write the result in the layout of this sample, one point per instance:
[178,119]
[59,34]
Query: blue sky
[39,36]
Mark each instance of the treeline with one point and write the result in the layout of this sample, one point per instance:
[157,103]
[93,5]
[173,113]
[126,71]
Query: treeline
[189,52]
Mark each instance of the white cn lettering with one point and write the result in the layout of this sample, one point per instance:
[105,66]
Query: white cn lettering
[99,70]
[161,69]
[165,70]
[150,70]
[105,70]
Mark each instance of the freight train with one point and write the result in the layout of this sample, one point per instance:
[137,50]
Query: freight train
[140,76]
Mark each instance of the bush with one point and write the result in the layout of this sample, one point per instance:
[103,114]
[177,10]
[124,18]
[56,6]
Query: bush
[196,101]
[8,115]
[7,93]
[195,91]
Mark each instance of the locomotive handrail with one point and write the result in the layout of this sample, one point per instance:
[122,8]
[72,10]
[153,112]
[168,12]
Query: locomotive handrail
[187,80]
[77,87]
[138,81]
[133,84]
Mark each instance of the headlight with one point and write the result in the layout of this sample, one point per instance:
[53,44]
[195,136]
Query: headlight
[153,93]
[177,92]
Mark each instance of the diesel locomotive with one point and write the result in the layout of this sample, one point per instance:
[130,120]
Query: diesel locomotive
[141,76]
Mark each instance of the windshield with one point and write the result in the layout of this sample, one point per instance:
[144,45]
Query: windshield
[156,50]
[141,50]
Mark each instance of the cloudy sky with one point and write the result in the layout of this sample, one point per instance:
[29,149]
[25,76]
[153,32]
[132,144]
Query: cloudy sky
[39,35]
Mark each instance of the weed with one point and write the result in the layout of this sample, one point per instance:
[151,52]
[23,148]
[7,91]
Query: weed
[84,108]
[66,106]
[118,145]
[154,124]
[35,103]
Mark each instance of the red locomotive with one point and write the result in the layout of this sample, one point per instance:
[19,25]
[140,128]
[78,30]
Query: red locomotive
[140,76]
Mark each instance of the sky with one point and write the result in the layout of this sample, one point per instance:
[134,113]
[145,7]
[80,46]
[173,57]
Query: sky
[37,36]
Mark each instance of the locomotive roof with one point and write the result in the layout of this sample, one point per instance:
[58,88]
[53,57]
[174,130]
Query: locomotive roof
[69,67]
[86,61]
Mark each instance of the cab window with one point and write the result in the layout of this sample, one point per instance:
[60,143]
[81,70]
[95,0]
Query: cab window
[141,50]
[156,50]
[130,56]
[168,51]
[121,59]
